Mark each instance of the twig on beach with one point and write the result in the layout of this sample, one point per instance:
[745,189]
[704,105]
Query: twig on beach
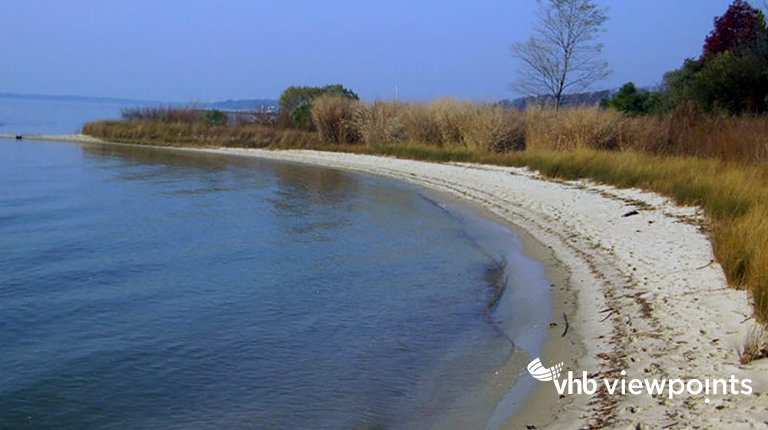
[706,265]
[567,325]
[608,316]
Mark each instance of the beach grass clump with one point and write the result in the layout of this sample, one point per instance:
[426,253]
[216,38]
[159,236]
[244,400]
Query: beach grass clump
[755,345]
[451,115]
[420,125]
[718,135]
[333,116]
[578,128]
[493,129]
[379,123]
[443,123]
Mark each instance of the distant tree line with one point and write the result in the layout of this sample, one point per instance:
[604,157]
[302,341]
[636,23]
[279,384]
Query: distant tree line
[731,75]
[567,100]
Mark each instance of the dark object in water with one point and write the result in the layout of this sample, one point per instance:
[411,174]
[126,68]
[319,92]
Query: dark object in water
[19,137]
[630,213]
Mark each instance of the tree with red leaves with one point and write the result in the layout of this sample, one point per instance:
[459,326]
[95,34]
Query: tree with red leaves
[732,73]
[736,30]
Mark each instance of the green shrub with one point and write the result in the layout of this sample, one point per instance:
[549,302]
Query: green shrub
[301,116]
[632,101]
[296,102]
[215,117]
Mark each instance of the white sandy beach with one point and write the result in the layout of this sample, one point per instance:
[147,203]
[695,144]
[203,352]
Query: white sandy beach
[649,299]
[647,294]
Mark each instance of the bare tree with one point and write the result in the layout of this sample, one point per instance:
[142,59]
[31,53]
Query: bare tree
[562,56]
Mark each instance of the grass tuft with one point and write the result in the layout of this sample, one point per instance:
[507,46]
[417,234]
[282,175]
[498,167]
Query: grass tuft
[755,345]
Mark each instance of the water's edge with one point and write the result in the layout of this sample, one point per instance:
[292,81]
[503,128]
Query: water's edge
[524,318]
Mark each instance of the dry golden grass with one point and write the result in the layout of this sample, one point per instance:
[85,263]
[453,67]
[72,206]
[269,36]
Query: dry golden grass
[379,123]
[333,117]
[684,131]
[420,124]
[451,115]
[574,129]
[755,345]
[182,134]
[493,129]
[443,123]
[691,132]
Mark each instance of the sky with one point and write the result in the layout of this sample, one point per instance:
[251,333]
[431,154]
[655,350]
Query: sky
[210,50]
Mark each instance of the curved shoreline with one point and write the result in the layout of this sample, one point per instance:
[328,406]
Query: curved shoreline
[645,295]
[643,304]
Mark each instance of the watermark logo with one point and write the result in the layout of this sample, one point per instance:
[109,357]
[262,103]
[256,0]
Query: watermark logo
[538,371]
[651,387]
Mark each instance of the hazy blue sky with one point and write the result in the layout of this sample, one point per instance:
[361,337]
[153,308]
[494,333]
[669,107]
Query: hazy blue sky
[208,50]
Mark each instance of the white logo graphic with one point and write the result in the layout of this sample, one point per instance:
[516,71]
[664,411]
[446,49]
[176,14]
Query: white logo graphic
[653,387]
[542,373]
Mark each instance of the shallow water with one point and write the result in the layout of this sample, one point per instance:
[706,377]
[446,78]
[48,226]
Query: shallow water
[145,288]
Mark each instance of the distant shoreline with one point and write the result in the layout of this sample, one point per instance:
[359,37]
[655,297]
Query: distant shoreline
[230,104]
[76,99]
[641,293]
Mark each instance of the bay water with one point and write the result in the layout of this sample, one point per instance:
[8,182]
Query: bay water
[152,288]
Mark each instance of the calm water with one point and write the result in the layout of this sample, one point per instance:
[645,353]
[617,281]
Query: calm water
[18,116]
[145,288]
